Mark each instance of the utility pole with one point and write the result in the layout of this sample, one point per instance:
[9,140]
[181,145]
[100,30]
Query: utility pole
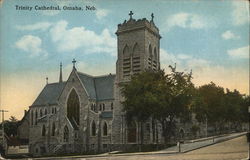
[3,120]
[2,136]
[248,134]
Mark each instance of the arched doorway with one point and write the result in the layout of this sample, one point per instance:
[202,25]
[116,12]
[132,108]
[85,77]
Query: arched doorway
[182,134]
[131,134]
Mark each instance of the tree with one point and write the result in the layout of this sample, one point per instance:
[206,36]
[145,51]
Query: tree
[10,126]
[175,99]
[13,119]
[141,97]
[159,96]
[219,108]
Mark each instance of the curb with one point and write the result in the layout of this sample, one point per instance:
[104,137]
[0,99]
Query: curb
[219,141]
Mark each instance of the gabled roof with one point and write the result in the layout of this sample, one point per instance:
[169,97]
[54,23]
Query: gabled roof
[49,94]
[100,87]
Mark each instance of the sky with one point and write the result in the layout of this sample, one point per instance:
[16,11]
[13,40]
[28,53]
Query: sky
[211,37]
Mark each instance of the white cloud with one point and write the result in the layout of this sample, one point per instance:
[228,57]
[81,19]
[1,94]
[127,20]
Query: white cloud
[37,26]
[240,12]
[229,35]
[187,20]
[100,13]
[31,44]
[167,59]
[80,37]
[242,52]
[183,56]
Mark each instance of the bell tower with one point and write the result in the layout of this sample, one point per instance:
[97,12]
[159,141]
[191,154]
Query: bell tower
[138,47]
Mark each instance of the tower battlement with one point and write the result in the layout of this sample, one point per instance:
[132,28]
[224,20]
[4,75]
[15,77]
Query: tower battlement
[138,47]
[133,24]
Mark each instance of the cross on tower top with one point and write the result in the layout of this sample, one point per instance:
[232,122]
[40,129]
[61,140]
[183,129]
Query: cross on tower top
[74,62]
[130,14]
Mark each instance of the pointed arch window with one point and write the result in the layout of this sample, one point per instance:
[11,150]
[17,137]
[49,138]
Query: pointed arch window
[150,50]
[45,111]
[32,118]
[136,59]
[53,129]
[111,106]
[73,107]
[43,130]
[66,134]
[103,107]
[150,56]
[136,49]
[126,62]
[155,54]
[92,107]
[41,112]
[154,63]
[93,128]
[105,129]
[126,51]
[36,116]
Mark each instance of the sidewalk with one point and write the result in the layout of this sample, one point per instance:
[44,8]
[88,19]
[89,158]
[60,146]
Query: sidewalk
[203,142]
[186,147]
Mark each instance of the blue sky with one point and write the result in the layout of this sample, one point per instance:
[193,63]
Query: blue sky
[209,37]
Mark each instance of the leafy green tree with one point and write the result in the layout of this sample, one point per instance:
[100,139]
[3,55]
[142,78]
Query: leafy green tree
[175,97]
[243,111]
[159,96]
[10,126]
[141,97]
[13,119]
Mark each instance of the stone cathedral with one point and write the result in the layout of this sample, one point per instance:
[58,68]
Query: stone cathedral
[84,113]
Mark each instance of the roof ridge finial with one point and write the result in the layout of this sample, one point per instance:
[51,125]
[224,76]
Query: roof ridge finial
[74,63]
[47,80]
[60,77]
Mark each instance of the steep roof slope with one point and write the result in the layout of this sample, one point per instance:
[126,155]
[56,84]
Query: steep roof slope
[49,94]
[100,87]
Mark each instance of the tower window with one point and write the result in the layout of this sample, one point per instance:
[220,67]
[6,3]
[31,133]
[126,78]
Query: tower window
[126,51]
